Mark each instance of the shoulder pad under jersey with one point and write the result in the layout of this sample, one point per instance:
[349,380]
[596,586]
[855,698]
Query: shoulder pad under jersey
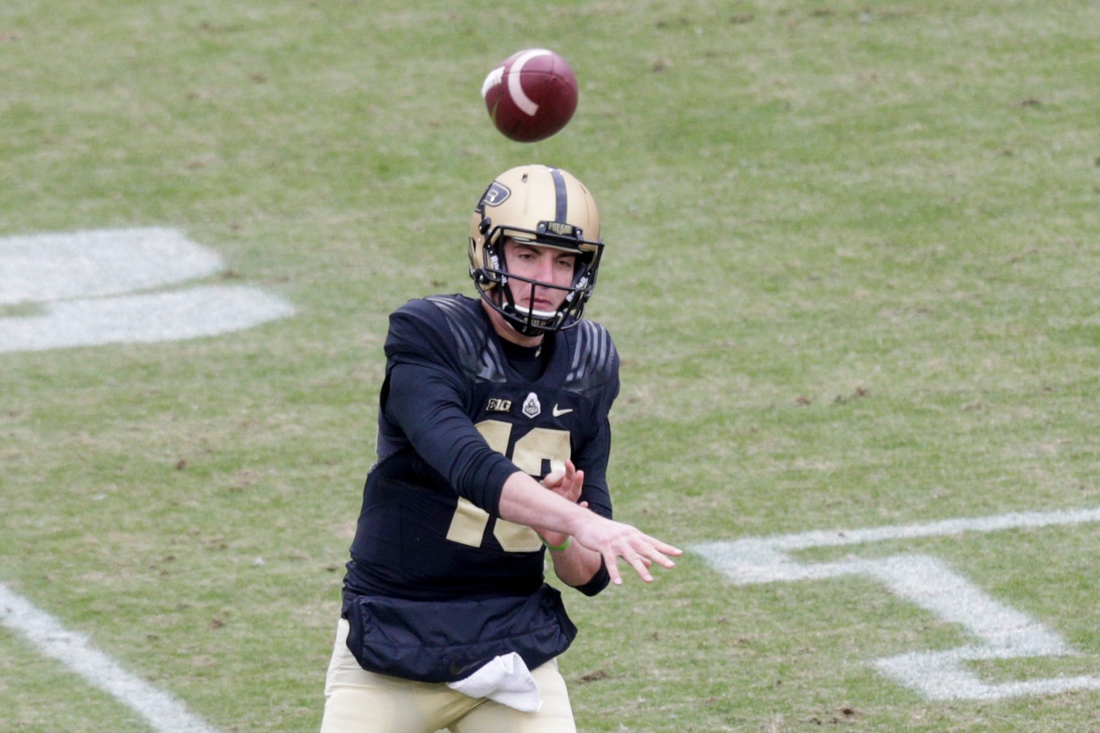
[594,360]
[478,353]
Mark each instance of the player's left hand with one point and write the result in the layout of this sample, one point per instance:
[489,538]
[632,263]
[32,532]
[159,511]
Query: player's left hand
[567,484]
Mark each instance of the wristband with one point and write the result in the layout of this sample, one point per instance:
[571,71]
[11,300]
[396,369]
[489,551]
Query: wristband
[560,547]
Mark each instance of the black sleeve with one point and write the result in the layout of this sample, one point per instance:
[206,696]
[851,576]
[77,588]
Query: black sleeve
[426,405]
[595,492]
[592,456]
[598,582]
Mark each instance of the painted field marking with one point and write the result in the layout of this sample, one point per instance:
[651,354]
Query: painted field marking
[1000,632]
[92,285]
[163,712]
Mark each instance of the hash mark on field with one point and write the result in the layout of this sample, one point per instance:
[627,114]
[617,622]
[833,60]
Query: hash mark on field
[163,712]
[1002,632]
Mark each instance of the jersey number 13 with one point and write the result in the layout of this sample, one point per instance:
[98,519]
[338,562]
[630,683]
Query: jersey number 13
[530,453]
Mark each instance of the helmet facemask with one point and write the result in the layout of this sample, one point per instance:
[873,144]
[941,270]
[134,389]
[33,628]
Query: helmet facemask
[492,277]
[541,207]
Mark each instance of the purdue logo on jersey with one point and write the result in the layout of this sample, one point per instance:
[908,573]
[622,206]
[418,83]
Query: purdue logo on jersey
[498,405]
[531,406]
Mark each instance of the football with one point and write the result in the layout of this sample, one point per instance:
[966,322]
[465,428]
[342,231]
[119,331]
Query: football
[530,95]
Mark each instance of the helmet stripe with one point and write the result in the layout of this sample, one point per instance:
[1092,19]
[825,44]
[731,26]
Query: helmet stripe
[560,195]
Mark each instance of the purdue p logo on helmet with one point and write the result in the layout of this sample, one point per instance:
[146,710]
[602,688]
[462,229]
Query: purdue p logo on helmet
[543,206]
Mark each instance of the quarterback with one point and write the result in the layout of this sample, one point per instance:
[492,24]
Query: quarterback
[493,443]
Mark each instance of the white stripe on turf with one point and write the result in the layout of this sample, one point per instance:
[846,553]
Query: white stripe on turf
[997,631]
[164,713]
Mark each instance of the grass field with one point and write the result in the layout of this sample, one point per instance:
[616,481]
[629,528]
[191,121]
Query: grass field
[851,271]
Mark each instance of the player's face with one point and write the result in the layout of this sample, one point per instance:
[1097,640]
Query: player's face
[544,264]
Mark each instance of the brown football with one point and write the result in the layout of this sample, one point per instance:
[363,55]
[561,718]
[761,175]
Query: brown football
[530,95]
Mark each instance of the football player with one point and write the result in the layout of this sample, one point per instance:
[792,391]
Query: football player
[493,441]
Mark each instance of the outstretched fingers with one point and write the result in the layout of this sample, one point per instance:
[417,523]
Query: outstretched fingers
[640,554]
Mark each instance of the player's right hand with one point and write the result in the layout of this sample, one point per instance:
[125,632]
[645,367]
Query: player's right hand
[615,539]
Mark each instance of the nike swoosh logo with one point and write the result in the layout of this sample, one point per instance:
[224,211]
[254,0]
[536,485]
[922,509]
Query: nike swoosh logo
[559,413]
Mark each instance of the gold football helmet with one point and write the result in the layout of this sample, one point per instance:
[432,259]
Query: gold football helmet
[547,207]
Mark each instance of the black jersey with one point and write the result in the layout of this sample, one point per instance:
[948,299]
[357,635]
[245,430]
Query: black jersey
[455,420]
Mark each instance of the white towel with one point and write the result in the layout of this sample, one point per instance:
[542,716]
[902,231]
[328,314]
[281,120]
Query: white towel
[505,680]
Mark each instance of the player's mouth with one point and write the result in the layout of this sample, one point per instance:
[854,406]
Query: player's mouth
[542,309]
[537,305]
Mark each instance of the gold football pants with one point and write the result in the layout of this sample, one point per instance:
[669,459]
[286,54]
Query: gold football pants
[358,701]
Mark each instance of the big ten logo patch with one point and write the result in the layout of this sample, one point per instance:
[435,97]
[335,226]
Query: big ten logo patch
[107,286]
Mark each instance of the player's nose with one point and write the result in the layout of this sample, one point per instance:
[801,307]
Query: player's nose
[545,267]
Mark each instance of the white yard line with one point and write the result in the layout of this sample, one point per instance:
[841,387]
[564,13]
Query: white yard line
[164,713]
[998,631]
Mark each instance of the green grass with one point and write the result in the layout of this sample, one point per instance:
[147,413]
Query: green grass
[850,271]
